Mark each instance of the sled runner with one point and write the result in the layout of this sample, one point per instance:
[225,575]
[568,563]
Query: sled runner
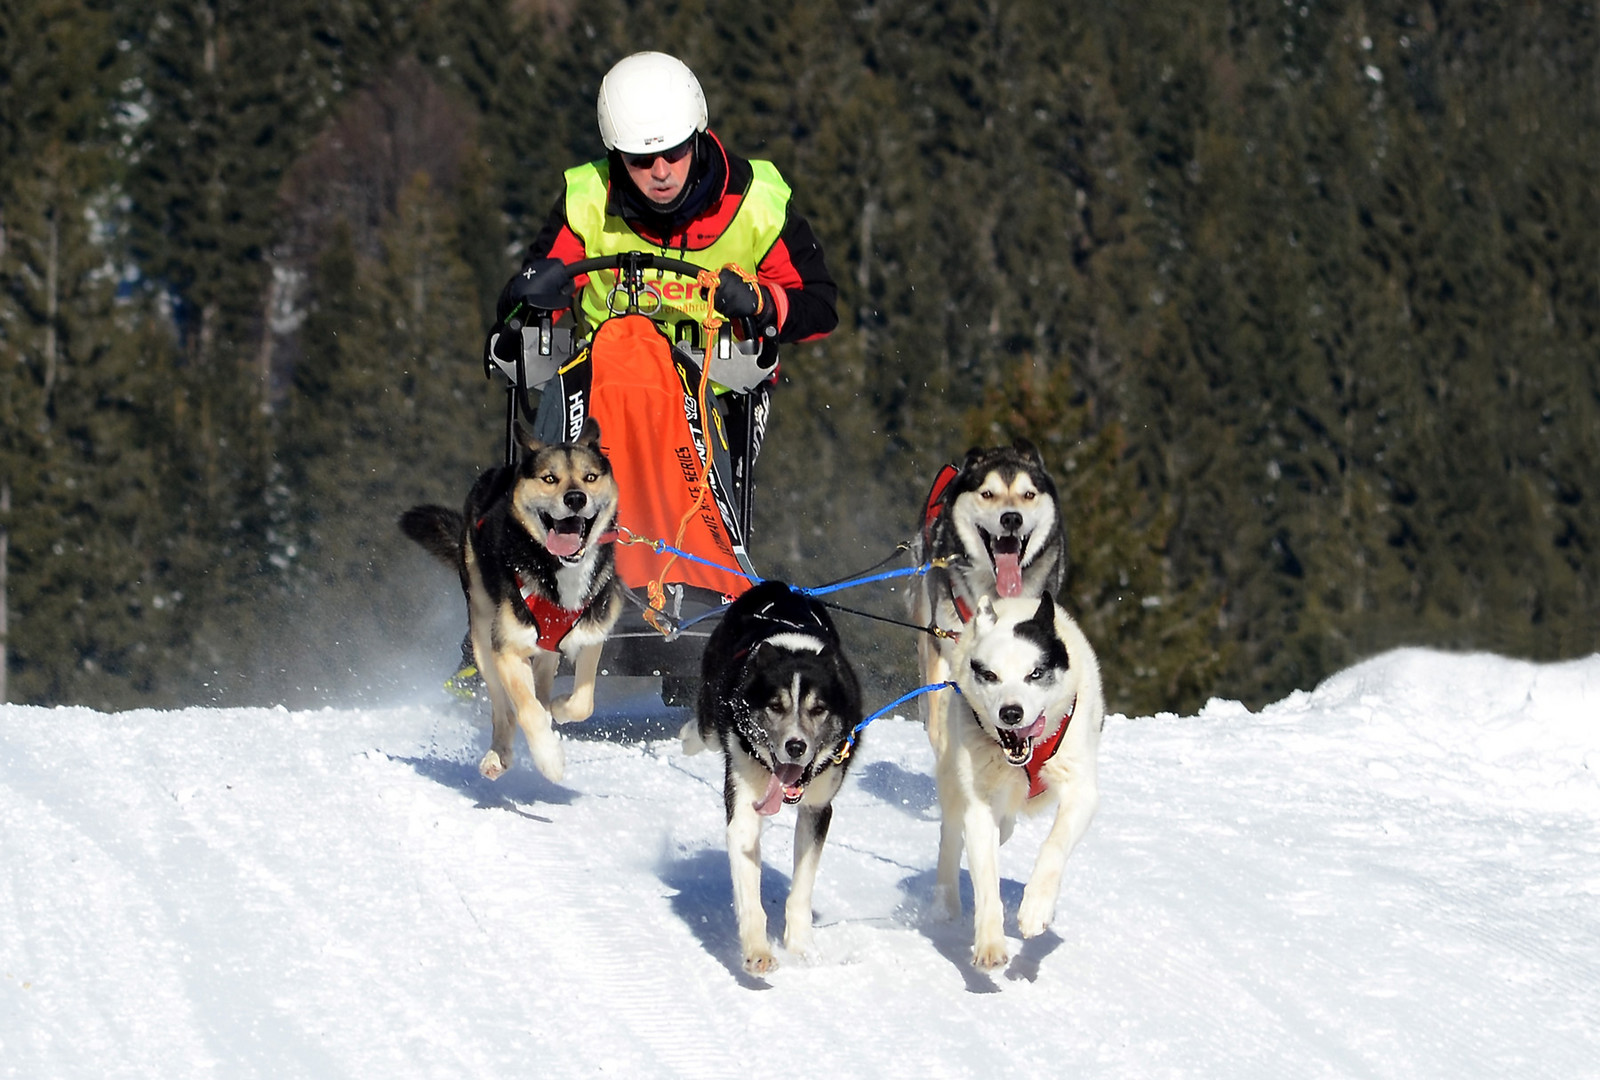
[680,423]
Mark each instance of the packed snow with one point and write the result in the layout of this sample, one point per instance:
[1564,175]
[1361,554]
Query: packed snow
[1396,874]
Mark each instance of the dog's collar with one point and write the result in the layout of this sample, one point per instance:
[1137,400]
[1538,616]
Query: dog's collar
[553,621]
[1043,752]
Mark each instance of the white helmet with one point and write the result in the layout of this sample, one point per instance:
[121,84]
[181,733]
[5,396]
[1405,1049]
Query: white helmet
[649,102]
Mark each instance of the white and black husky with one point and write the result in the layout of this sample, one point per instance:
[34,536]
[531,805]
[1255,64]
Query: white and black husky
[990,527]
[779,699]
[534,549]
[1022,736]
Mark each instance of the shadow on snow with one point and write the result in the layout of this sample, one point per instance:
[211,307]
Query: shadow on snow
[952,939]
[703,899]
[912,793]
[521,784]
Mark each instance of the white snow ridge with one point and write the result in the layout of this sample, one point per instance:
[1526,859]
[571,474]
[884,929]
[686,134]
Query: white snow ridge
[1396,874]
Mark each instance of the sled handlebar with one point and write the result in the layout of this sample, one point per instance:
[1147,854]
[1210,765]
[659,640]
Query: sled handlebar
[634,260]
[631,265]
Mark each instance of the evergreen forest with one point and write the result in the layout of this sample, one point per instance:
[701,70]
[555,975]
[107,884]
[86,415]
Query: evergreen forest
[1301,301]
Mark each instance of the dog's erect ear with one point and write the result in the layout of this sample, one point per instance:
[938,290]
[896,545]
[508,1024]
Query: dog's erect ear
[983,619]
[524,439]
[1044,616]
[848,707]
[1028,450]
[1041,626]
[590,435]
[973,455]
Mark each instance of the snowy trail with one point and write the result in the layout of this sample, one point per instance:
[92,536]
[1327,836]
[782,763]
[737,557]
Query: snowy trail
[1394,875]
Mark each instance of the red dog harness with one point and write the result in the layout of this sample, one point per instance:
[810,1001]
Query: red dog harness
[553,621]
[1043,752]
[930,514]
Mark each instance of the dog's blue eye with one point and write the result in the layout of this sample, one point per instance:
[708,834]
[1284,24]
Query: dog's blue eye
[1036,674]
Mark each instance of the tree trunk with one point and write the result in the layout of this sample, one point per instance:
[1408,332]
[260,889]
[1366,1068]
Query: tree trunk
[52,285]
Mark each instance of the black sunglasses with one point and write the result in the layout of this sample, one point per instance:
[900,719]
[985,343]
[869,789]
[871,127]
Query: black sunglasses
[672,156]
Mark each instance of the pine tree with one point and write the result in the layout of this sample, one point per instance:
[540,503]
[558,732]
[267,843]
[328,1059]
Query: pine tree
[390,410]
[81,571]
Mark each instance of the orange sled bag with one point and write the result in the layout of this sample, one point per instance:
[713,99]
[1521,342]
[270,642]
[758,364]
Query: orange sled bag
[644,395]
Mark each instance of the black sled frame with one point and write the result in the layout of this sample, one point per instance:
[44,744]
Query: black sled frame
[636,647]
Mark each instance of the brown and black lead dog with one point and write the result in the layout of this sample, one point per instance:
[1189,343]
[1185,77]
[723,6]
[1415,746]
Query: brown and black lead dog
[533,548]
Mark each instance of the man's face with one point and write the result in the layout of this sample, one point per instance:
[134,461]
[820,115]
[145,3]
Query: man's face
[661,176]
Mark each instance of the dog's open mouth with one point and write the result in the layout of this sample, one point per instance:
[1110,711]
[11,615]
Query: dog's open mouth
[565,537]
[1017,743]
[1006,554]
[783,786]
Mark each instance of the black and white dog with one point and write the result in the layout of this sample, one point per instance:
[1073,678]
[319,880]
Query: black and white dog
[1023,735]
[780,700]
[534,549]
[990,527]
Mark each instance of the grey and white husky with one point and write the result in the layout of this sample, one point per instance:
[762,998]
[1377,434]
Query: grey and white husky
[1022,737]
[990,527]
[779,699]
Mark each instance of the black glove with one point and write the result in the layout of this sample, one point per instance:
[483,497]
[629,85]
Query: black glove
[503,343]
[506,342]
[541,284]
[750,304]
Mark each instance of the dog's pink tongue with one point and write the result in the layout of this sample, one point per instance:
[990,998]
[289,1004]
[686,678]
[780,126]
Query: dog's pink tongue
[1035,729]
[772,801]
[1008,574]
[563,543]
[787,776]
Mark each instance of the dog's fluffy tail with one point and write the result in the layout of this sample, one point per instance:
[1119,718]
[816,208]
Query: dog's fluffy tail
[436,528]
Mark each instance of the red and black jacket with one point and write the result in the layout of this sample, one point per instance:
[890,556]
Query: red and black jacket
[717,184]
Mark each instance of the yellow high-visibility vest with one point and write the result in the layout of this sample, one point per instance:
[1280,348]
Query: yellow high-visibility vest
[755,227]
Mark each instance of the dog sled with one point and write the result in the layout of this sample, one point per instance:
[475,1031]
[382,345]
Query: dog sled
[680,421]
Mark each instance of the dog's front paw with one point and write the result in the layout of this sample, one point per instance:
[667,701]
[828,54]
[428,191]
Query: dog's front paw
[492,767]
[990,956]
[800,942]
[563,710]
[548,758]
[759,961]
[1035,914]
